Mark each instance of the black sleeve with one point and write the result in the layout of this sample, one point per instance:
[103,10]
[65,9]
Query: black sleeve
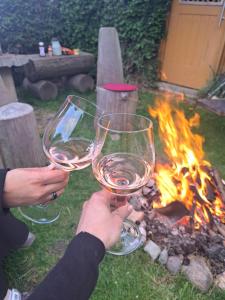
[76,274]
[2,182]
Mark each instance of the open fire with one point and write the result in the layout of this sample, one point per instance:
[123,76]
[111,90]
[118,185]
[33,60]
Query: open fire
[188,178]
[181,212]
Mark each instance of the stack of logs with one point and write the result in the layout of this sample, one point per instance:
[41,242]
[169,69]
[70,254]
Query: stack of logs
[46,75]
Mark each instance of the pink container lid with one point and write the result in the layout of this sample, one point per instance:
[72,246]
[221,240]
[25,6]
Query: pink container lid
[120,87]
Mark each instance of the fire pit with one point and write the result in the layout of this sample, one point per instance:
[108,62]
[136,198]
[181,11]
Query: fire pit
[184,206]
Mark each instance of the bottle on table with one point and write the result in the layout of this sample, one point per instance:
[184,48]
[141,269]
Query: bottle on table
[50,50]
[56,47]
[41,49]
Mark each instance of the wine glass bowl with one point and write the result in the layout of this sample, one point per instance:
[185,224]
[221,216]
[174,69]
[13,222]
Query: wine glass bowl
[68,140]
[123,159]
[123,162]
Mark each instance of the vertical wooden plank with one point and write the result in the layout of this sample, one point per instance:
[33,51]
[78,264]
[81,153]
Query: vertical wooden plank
[194,45]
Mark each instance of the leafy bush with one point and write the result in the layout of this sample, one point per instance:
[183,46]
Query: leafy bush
[24,23]
[140,24]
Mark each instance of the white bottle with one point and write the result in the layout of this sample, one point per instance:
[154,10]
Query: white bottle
[41,49]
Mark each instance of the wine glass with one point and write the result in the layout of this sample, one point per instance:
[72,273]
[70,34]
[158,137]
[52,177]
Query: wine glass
[68,143]
[123,162]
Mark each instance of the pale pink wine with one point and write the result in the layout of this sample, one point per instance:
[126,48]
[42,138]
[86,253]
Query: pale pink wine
[122,173]
[75,154]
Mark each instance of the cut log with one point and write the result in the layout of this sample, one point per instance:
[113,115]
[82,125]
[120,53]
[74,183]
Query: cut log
[60,82]
[20,144]
[109,65]
[52,66]
[43,89]
[81,83]
[116,102]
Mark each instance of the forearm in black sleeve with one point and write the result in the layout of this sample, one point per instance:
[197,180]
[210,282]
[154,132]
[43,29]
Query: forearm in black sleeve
[2,182]
[76,274]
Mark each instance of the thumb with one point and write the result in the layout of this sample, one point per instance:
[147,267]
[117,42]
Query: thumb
[51,166]
[123,211]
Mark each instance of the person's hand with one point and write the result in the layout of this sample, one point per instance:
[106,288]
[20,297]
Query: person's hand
[30,186]
[98,220]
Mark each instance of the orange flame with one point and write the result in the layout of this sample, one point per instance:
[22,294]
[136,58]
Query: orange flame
[186,178]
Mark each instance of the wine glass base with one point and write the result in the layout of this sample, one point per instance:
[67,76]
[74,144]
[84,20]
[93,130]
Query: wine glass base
[40,214]
[130,240]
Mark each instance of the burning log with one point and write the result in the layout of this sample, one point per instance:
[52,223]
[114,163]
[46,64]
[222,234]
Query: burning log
[175,210]
[219,184]
[192,214]
[210,193]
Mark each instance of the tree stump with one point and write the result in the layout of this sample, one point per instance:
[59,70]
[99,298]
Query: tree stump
[109,65]
[116,102]
[20,144]
[81,83]
[43,89]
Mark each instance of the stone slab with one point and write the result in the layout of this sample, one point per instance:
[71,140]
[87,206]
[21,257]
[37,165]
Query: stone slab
[216,106]
[10,60]
[19,60]
[176,89]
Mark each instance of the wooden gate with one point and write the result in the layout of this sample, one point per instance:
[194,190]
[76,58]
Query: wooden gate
[194,47]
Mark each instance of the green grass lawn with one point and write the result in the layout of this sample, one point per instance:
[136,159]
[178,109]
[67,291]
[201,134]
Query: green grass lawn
[130,277]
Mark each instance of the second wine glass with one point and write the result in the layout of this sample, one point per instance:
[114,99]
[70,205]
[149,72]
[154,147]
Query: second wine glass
[68,143]
[123,162]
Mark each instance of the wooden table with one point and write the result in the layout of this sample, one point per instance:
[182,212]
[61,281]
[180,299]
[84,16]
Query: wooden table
[38,68]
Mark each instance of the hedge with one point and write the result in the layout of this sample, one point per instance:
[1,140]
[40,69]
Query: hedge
[140,23]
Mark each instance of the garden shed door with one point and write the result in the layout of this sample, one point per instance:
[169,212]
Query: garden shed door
[195,42]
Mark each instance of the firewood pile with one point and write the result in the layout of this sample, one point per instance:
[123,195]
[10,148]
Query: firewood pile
[171,237]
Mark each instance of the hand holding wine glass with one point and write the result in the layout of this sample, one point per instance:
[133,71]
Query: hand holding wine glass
[123,162]
[68,143]
[99,204]
[31,186]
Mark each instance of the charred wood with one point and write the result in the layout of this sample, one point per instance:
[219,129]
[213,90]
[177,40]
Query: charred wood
[219,184]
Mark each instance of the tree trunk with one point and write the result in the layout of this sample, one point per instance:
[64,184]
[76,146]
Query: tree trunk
[81,83]
[109,66]
[116,102]
[57,66]
[20,144]
[43,89]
